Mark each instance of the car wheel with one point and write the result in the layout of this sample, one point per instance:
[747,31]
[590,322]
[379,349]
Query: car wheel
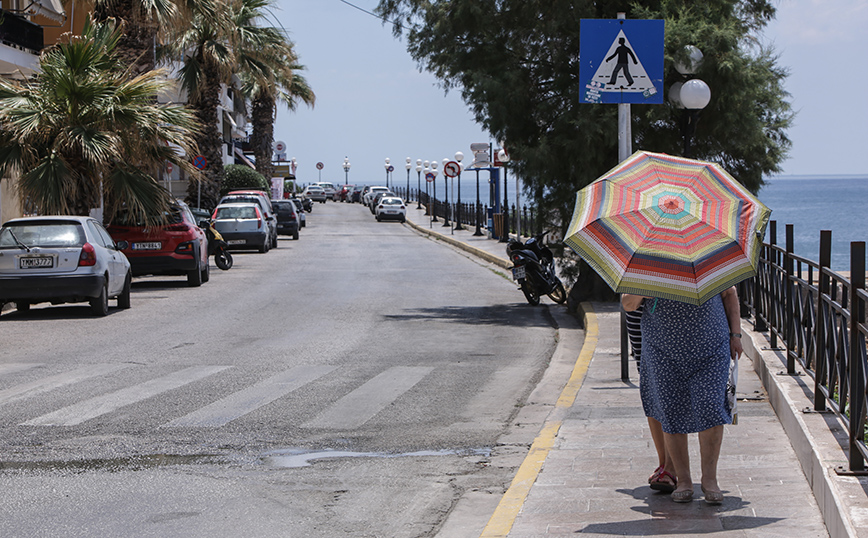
[124,297]
[264,248]
[99,304]
[274,241]
[378,218]
[22,307]
[403,219]
[206,272]
[194,278]
[295,235]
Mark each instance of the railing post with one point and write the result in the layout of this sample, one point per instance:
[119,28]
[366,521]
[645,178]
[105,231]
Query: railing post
[789,302]
[820,348]
[773,307]
[857,381]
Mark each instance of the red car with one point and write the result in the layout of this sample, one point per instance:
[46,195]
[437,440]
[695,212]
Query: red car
[179,247]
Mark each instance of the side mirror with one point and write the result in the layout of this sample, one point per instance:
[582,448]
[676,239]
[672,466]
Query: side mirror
[122,245]
[204,224]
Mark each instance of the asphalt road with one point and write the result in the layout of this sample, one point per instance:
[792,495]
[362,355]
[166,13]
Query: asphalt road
[357,382]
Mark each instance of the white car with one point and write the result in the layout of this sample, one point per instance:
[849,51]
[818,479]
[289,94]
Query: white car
[372,192]
[315,193]
[329,189]
[62,259]
[391,207]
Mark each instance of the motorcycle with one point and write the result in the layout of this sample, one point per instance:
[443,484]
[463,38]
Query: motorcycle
[534,270]
[217,247]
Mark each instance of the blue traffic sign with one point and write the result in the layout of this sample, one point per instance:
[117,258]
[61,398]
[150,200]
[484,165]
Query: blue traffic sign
[621,61]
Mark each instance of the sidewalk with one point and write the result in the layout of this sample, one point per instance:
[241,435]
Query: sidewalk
[586,472]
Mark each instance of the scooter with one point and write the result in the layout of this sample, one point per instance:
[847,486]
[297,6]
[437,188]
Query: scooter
[217,247]
[534,270]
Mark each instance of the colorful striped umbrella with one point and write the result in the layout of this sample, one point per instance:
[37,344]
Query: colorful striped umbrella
[670,227]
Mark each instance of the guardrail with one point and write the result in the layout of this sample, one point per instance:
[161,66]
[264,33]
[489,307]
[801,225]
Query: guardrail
[817,317]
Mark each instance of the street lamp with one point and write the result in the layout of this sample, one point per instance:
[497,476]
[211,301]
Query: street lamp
[419,183]
[346,170]
[434,191]
[692,95]
[408,166]
[387,172]
[458,158]
[293,166]
[447,207]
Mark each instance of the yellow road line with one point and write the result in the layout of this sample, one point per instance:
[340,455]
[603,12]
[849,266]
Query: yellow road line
[512,501]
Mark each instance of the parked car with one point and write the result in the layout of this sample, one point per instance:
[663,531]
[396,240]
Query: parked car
[288,222]
[62,260]
[356,194]
[315,193]
[299,207]
[342,194]
[242,226]
[264,201]
[391,207]
[369,196]
[178,247]
[329,189]
[376,199]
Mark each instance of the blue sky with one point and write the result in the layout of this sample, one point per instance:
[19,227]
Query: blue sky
[373,103]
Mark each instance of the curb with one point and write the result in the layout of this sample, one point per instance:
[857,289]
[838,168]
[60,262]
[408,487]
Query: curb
[491,258]
[817,439]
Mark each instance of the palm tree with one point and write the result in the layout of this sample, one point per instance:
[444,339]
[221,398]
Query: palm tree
[85,130]
[142,21]
[279,82]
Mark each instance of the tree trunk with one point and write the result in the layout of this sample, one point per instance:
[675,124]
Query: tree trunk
[210,142]
[262,137]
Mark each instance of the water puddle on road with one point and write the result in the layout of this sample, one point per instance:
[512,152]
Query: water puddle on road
[295,458]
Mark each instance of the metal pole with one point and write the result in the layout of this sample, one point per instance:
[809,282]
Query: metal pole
[478,232]
[418,189]
[857,349]
[458,225]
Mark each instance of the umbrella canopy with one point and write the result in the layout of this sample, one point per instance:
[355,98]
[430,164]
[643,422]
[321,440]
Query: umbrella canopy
[664,226]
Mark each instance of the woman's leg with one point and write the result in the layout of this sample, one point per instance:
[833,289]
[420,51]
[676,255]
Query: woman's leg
[676,449]
[709,449]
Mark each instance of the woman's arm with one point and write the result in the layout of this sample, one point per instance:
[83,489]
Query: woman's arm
[732,309]
[631,302]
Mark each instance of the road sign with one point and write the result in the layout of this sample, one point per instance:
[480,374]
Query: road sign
[200,162]
[169,168]
[390,168]
[621,61]
[279,146]
[320,166]
[429,177]
[451,169]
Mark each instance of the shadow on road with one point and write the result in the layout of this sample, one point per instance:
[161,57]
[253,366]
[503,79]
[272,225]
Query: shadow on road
[512,315]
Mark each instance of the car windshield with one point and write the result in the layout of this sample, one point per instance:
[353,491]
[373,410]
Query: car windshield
[42,234]
[390,201]
[241,212]
[283,210]
[172,216]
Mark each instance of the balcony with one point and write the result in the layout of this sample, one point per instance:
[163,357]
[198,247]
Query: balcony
[20,33]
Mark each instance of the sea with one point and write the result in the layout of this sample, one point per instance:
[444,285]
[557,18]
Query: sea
[814,203]
[809,203]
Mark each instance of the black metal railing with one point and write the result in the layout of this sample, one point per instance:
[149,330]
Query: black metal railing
[816,317]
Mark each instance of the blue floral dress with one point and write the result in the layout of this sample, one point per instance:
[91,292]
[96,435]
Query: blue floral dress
[685,364]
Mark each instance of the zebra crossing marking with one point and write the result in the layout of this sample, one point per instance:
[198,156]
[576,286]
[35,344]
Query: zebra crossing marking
[245,401]
[362,404]
[46,384]
[83,411]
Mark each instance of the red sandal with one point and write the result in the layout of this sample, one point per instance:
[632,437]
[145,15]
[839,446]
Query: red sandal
[655,474]
[661,484]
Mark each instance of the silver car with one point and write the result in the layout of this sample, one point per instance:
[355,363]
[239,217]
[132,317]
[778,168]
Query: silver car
[242,226]
[65,259]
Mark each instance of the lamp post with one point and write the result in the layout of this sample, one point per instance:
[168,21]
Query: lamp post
[426,169]
[346,170]
[478,231]
[447,207]
[419,183]
[387,172]
[692,95]
[503,157]
[434,191]
[293,165]
[408,166]
[458,158]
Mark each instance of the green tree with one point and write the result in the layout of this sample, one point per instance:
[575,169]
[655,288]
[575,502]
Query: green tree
[279,82]
[83,130]
[516,64]
[239,177]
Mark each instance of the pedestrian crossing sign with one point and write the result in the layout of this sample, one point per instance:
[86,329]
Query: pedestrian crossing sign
[621,61]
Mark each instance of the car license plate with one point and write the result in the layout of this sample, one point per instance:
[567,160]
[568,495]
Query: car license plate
[151,245]
[36,262]
[236,242]
[518,273]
